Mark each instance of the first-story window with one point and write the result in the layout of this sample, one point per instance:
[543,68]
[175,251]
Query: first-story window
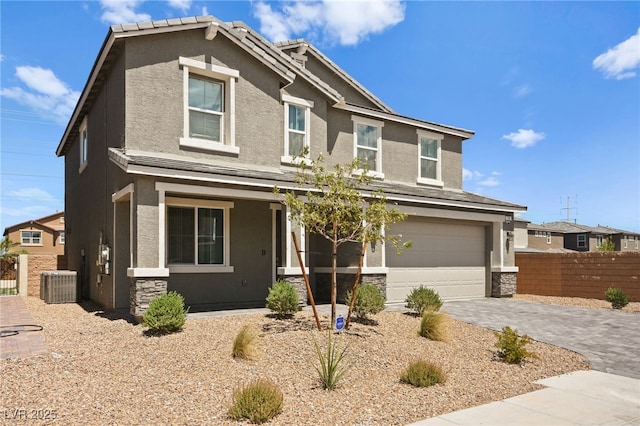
[195,235]
[31,238]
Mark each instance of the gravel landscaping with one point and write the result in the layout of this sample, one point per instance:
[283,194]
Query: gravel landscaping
[576,301]
[105,370]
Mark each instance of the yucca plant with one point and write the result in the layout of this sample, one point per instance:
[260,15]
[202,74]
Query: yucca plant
[332,361]
[244,343]
[258,402]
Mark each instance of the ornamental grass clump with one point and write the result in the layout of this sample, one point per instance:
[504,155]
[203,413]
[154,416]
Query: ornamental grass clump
[244,344]
[422,298]
[434,326]
[369,301]
[332,362]
[513,346]
[423,374]
[282,299]
[258,402]
[616,297]
[166,314]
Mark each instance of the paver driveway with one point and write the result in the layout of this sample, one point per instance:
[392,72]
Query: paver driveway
[609,339]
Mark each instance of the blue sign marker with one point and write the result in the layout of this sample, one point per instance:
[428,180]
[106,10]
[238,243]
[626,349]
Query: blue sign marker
[339,323]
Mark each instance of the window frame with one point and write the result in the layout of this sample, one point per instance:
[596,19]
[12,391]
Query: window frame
[307,105]
[225,206]
[30,242]
[83,141]
[438,138]
[62,237]
[583,243]
[227,77]
[377,173]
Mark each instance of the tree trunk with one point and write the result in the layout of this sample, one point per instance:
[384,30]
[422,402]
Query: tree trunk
[334,278]
[306,280]
[356,283]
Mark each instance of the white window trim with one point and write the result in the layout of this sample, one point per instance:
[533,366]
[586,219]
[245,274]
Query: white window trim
[584,242]
[548,237]
[378,174]
[428,181]
[84,145]
[223,205]
[31,243]
[62,237]
[287,100]
[228,128]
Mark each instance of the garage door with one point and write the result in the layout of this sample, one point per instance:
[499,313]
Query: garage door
[448,257]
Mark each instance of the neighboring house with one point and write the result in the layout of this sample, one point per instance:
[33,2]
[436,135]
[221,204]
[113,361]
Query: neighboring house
[579,237]
[39,236]
[182,131]
[544,238]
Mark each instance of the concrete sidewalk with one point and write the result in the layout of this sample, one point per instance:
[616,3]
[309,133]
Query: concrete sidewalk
[578,398]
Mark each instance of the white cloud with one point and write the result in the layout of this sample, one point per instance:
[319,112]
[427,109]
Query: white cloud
[205,11]
[522,90]
[1,57]
[470,174]
[620,61]
[344,22]
[45,93]
[33,193]
[183,5]
[490,180]
[524,138]
[122,11]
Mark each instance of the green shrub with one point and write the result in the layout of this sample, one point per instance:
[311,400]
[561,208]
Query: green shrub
[166,313]
[423,374]
[282,299]
[259,401]
[369,301]
[244,343]
[513,346]
[423,298]
[433,326]
[617,298]
[332,360]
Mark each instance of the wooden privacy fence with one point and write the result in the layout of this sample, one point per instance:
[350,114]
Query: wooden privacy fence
[587,275]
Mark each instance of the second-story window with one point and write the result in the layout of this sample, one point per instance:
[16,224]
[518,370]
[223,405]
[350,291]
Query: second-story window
[297,118]
[582,241]
[209,106]
[206,113]
[31,238]
[429,158]
[367,136]
[84,145]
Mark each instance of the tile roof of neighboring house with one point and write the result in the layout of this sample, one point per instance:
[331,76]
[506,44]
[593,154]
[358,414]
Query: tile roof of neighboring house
[153,163]
[40,222]
[535,227]
[573,228]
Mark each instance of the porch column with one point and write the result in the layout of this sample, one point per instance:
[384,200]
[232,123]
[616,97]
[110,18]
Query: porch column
[503,269]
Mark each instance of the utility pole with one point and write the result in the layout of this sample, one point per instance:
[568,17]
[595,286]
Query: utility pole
[569,208]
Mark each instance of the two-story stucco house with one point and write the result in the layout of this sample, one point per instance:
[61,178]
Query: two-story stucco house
[182,131]
[44,235]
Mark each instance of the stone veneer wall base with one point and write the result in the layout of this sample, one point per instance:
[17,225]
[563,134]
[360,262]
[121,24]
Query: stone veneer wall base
[142,291]
[503,284]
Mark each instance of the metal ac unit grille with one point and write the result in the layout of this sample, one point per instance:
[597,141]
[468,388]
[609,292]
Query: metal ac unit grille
[58,286]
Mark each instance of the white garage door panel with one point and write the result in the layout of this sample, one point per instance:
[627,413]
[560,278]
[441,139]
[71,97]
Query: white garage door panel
[448,257]
[450,283]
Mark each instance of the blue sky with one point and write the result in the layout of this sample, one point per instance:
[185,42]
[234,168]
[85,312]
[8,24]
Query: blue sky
[550,88]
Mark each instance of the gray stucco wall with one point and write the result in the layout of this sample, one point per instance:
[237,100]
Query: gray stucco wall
[250,250]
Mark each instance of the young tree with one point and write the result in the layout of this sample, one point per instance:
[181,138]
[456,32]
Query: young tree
[8,248]
[607,245]
[335,207]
